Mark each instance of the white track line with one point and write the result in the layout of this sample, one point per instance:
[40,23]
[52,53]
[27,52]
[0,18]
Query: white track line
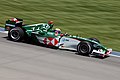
[114,55]
[4,32]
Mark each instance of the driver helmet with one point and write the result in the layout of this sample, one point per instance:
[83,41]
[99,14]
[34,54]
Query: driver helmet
[58,30]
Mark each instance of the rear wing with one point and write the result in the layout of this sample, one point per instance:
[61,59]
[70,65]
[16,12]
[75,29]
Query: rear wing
[13,22]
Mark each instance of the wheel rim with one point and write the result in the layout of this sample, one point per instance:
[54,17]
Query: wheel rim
[84,48]
[15,35]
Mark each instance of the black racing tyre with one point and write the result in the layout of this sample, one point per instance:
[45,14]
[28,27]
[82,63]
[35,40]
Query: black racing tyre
[95,39]
[16,34]
[84,48]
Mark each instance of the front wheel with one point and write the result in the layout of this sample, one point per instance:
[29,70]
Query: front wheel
[16,34]
[84,48]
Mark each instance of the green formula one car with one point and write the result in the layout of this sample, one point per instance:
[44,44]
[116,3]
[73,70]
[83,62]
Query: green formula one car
[44,34]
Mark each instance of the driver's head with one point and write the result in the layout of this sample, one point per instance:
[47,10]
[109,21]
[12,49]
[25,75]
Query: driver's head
[58,30]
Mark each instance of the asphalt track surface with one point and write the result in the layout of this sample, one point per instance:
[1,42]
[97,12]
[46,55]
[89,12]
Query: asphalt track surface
[22,61]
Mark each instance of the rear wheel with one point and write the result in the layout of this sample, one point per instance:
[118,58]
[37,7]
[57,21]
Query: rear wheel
[84,48]
[16,34]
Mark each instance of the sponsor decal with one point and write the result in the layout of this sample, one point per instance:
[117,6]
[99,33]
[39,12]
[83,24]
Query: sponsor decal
[51,41]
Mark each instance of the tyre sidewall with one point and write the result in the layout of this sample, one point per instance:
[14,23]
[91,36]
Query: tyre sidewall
[18,31]
[84,48]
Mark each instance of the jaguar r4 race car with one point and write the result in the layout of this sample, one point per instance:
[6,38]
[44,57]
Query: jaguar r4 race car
[42,33]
